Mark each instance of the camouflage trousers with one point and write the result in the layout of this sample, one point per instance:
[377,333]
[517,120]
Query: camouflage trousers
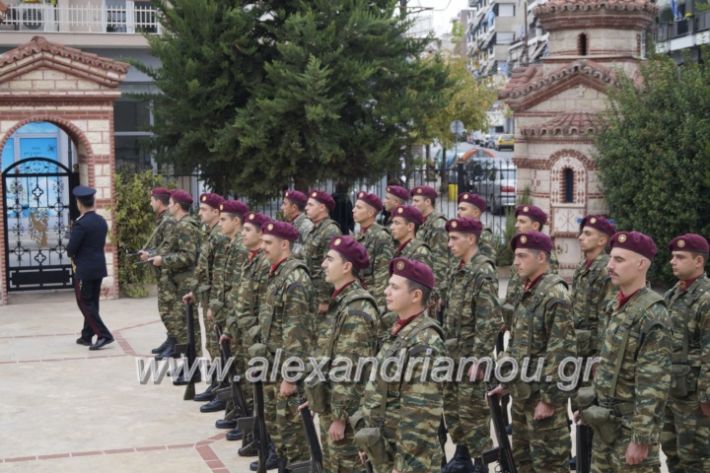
[612,458]
[176,312]
[467,416]
[686,436]
[163,305]
[283,424]
[540,446]
[338,457]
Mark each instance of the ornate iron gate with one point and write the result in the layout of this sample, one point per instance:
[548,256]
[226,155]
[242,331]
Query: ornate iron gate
[38,212]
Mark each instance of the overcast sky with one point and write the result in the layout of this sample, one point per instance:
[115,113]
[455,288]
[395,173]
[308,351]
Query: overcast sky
[444,11]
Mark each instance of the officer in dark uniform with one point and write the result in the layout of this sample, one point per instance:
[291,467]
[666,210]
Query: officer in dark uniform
[86,248]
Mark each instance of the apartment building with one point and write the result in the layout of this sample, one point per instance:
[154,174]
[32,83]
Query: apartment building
[682,28]
[491,30]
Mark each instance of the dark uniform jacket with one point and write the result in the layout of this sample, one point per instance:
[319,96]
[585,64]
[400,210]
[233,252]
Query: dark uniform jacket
[86,246]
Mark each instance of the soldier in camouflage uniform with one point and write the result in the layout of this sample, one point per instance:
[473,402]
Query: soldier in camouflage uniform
[405,222]
[226,274]
[432,232]
[472,318]
[399,415]
[293,209]
[177,260]
[472,206]
[686,433]
[394,197]
[632,380]
[542,331]
[356,321]
[286,323]
[316,246]
[164,224]
[377,242]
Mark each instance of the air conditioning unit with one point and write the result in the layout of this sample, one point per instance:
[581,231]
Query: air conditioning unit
[36,17]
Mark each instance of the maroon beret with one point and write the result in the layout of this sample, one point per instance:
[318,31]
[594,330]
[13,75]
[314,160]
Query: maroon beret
[532,241]
[399,192]
[464,225]
[473,199]
[324,198]
[413,270]
[690,242]
[158,191]
[233,207]
[297,197]
[409,213]
[279,229]
[370,199]
[257,219]
[426,191]
[211,199]
[636,242]
[598,222]
[532,211]
[181,196]
[351,250]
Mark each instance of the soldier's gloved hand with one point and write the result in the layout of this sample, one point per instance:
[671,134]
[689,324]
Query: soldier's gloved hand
[705,408]
[543,410]
[188,298]
[636,453]
[336,432]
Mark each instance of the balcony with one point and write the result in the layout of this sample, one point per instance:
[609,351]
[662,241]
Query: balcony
[683,34]
[81,22]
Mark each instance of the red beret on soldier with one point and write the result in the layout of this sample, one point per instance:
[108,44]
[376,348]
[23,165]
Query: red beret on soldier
[532,241]
[636,242]
[160,191]
[533,212]
[234,207]
[370,199]
[282,230]
[690,242]
[323,197]
[181,196]
[598,222]
[473,199]
[426,191]
[464,225]
[257,219]
[351,250]
[211,199]
[409,213]
[399,192]
[297,197]
[413,270]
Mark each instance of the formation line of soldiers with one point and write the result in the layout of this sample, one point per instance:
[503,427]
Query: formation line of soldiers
[419,285]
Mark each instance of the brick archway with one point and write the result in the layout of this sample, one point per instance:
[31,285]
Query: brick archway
[43,81]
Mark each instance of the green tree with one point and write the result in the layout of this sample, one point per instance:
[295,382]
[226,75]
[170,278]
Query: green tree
[654,154]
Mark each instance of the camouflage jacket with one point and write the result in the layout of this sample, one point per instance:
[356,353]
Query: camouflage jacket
[160,238]
[543,328]
[304,227]
[515,289]
[407,408]
[472,315]
[181,252]
[285,316]
[486,245]
[433,233]
[244,313]
[635,366]
[214,244]
[227,274]
[380,249]
[690,315]
[591,293]
[356,322]
[314,249]
[415,249]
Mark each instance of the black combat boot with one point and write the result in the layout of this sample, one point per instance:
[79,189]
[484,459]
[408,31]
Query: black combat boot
[479,467]
[161,347]
[215,405]
[272,461]
[210,392]
[225,423]
[169,351]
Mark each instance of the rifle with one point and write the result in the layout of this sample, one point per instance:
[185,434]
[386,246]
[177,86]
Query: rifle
[503,454]
[441,433]
[583,442]
[315,464]
[505,400]
[191,353]
[260,427]
[234,390]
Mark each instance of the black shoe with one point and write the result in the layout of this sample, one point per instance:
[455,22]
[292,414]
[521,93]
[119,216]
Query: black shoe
[161,347]
[83,341]
[573,463]
[180,380]
[206,395]
[509,429]
[169,351]
[272,461]
[225,423]
[215,405]
[100,343]
[249,450]
[479,467]
[234,434]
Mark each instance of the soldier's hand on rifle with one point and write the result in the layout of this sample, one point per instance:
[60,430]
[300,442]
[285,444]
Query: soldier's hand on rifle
[543,410]
[337,430]
[143,255]
[303,406]
[705,408]
[225,338]
[156,260]
[480,372]
[636,453]
[287,389]
[188,298]
[323,308]
[210,317]
[498,391]
[577,417]
[363,457]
